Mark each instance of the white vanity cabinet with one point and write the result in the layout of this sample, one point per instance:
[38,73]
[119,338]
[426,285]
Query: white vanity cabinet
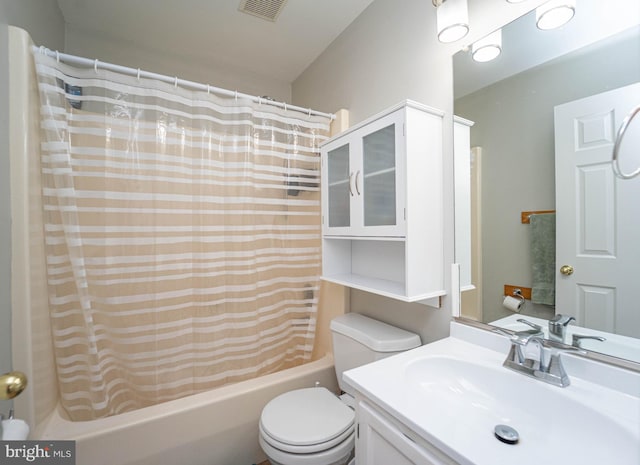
[383,441]
[382,205]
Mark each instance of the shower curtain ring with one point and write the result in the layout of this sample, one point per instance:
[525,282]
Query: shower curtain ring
[309,112]
[95,65]
[57,56]
[175,84]
[208,89]
[138,74]
[236,96]
[285,106]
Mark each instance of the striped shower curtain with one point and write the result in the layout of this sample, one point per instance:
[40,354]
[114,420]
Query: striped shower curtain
[182,237]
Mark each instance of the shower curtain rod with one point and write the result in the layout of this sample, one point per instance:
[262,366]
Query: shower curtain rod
[76,60]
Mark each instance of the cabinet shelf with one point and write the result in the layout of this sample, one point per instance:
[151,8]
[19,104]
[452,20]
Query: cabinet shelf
[392,289]
[339,183]
[379,172]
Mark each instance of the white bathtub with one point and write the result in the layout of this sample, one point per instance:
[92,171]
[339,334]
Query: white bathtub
[218,427]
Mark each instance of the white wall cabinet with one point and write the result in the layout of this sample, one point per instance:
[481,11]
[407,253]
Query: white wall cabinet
[383,441]
[382,205]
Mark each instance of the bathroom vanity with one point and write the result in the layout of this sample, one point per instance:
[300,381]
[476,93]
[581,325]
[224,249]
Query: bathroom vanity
[440,404]
[383,440]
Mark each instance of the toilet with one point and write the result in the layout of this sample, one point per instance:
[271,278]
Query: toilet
[312,426]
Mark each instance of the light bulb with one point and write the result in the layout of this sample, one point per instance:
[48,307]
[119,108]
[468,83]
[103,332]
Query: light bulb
[488,48]
[555,13]
[452,20]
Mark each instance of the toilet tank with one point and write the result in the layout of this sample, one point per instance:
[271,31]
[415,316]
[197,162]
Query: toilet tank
[358,340]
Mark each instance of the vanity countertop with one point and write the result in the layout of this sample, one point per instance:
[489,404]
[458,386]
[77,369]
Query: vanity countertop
[455,391]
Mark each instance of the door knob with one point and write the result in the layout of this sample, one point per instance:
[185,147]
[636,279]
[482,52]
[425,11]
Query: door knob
[12,384]
[566,270]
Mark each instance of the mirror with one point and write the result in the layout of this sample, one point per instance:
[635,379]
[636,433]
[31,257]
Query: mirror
[511,102]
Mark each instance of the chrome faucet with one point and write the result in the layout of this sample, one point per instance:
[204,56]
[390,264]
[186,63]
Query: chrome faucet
[558,327]
[551,371]
[520,339]
[576,339]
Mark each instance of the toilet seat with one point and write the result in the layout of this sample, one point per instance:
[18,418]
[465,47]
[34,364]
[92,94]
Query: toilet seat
[310,449]
[306,421]
[338,455]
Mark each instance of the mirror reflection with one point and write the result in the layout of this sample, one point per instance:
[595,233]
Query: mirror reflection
[548,217]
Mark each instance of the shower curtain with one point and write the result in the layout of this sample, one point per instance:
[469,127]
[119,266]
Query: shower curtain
[182,237]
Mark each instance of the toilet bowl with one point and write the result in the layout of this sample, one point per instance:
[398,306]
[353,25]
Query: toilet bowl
[312,426]
[307,427]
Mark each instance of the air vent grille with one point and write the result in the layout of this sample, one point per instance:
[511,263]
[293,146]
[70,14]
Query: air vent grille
[265,9]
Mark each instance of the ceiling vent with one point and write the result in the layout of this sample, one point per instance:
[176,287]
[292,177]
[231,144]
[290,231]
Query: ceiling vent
[265,9]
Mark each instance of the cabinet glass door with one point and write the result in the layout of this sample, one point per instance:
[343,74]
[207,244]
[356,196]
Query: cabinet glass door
[339,194]
[379,177]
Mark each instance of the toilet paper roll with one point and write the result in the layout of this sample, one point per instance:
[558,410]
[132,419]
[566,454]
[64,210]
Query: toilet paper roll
[14,430]
[512,303]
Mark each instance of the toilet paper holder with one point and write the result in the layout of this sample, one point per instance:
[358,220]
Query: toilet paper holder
[517,293]
[516,301]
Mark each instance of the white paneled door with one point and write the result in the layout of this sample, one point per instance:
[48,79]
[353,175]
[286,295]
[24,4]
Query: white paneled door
[598,215]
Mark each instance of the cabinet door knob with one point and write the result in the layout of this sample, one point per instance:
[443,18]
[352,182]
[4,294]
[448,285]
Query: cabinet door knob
[566,270]
[350,182]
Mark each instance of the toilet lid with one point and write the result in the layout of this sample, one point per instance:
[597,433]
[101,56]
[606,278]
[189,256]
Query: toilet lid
[306,417]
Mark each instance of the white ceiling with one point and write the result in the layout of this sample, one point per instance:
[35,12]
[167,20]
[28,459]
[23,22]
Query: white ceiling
[216,31]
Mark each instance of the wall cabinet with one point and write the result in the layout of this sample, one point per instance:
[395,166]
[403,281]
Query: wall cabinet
[383,441]
[382,205]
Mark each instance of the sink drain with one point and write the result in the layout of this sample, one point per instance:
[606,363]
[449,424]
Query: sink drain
[506,434]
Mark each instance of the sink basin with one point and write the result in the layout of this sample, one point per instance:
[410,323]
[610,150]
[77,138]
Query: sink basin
[454,392]
[484,395]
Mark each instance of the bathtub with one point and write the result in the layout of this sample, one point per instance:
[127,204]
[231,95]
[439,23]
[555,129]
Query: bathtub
[218,427]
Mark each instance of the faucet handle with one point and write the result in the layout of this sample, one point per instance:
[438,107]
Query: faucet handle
[523,337]
[502,332]
[561,320]
[528,323]
[576,339]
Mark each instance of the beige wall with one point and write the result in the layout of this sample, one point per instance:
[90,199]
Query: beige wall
[88,44]
[44,21]
[388,54]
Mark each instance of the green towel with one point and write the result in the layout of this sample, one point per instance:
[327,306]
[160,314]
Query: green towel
[543,258]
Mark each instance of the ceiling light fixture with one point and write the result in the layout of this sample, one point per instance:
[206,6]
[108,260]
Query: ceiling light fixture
[488,48]
[452,17]
[555,13]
